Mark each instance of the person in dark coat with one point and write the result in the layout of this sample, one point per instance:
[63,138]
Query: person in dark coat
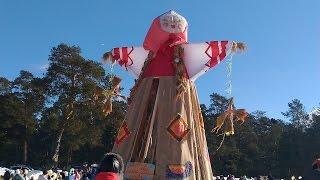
[18,175]
[7,175]
[110,168]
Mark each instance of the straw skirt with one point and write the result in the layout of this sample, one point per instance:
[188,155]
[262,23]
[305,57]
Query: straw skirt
[163,137]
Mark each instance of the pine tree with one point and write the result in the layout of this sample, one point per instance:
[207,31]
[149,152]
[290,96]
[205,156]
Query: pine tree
[30,92]
[297,114]
[71,81]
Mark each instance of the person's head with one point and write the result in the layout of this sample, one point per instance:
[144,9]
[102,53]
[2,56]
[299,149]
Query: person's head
[6,175]
[25,171]
[52,176]
[49,172]
[111,162]
[18,171]
[71,172]
[62,174]
[45,172]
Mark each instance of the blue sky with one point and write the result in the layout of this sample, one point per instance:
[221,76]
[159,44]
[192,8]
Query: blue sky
[282,61]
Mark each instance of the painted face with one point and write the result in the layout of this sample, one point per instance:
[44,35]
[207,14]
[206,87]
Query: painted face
[172,22]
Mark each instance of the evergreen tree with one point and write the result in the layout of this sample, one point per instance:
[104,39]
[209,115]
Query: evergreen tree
[5,86]
[71,81]
[30,92]
[297,114]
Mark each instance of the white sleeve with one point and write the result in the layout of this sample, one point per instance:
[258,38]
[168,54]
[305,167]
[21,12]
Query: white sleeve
[200,57]
[130,58]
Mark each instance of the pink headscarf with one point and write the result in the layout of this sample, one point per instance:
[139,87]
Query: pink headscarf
[165,27]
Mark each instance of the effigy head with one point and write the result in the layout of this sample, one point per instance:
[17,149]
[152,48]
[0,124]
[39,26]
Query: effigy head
[168,26]
[173,22]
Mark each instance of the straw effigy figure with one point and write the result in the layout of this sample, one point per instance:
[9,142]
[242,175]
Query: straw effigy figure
[163,135]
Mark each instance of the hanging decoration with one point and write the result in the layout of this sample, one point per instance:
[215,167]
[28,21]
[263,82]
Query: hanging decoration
[109,93]
[227,118]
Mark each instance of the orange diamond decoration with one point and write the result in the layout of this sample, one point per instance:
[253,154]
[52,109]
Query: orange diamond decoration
[123,133]
[178,128]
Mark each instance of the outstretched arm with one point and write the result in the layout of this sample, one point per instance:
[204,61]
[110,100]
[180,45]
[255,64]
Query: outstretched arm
[200,57]
[129,58]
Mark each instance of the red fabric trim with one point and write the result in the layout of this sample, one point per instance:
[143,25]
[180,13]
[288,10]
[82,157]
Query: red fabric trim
[107,176]
[214,45]
[116,54]
[214,53]
[124,58]
[223,50]
[131,62]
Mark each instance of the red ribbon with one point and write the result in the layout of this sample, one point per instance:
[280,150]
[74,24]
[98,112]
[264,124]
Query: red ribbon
[116,54]
[125,56]
[223,53]
[215,52]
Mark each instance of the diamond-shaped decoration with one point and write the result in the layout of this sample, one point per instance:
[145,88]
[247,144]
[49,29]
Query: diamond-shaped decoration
[123,133]
[178,171]
[178,128]
[138,170]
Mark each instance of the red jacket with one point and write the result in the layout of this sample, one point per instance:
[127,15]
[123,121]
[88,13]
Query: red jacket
[107,176]
[162,63]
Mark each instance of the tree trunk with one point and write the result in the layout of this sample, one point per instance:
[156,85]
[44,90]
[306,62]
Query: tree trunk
[55,157]
[69,110]
[69,157]
[25,143]
[25,151]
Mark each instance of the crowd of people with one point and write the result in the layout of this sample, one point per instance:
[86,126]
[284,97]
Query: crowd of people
[269,177]
[110,168]
[106,174]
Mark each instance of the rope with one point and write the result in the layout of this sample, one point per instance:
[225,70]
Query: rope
[220,145]
[112,75]
[229,76]
[229,95]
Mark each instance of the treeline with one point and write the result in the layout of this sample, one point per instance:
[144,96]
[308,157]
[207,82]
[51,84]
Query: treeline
[264,145]
[56,121]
